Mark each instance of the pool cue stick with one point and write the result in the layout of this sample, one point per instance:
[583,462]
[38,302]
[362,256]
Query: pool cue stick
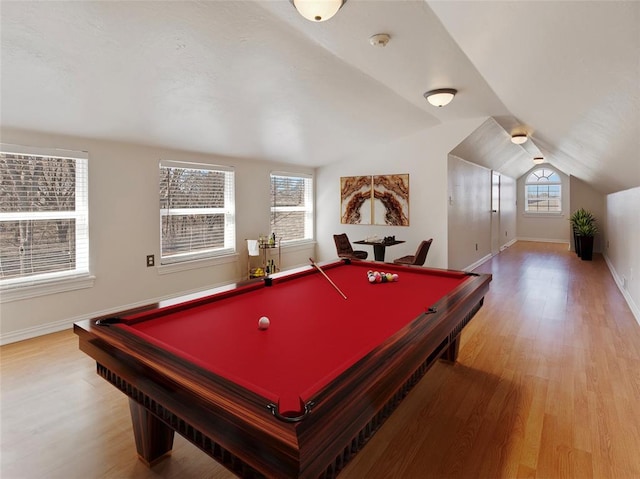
[328,279]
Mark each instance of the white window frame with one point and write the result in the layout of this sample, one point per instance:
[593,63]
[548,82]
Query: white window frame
[229,247]
[527,183]
[24,287]
[307,208]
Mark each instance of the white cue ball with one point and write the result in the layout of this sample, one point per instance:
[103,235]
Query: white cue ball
[263,322]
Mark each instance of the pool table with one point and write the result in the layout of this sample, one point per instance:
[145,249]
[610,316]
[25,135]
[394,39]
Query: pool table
[299,398]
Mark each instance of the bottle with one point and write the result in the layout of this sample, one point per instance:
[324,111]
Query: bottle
[272,239]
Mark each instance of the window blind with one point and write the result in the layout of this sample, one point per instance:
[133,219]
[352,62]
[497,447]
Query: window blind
[197,211]
[292,206]
[44,217]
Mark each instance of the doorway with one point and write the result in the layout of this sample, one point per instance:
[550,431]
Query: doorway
[495,213]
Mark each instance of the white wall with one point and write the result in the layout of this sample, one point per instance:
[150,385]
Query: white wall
[470,190]
[583,196]
[124,228]
[622,243]
[540,227]
[508,210]
[469,213]
[423,156]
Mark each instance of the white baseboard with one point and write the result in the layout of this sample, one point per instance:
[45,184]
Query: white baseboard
[510,243]
[616,277]
[482,260]
[28,333]
[543,240]
[486,258]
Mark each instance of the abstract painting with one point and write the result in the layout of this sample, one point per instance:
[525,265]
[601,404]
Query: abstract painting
[378,200]
[391,200]
[355,204]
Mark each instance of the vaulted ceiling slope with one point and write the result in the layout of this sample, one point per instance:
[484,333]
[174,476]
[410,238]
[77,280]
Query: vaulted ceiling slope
[570,71]
[253,79]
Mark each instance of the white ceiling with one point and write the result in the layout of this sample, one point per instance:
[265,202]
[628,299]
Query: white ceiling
[253,79]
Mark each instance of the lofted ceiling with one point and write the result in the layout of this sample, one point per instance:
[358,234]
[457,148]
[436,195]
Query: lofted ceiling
[253,79]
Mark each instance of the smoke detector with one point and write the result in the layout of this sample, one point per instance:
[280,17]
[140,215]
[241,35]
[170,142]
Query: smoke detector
[379,39]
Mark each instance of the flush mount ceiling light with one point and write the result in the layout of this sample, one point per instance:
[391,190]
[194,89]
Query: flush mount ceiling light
[379,39]
[519,138]
[318,10]
[538,159]
[440,97]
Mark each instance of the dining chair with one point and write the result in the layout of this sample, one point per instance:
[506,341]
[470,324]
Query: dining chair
[417,259]
[345,250]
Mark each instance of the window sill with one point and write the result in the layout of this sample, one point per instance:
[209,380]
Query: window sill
[196,264]
[20,291]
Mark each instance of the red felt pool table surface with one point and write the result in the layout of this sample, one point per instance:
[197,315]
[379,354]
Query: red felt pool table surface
[314,335]
[299,399]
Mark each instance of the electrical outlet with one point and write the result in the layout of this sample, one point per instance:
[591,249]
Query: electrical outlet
[151,260]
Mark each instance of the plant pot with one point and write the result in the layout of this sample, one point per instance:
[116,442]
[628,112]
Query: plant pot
[586,247]
[576,242]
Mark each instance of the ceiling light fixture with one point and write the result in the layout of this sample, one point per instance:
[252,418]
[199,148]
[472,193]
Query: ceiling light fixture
[379,39]
[440,97]
[538,159]
[318,10]
[519,138]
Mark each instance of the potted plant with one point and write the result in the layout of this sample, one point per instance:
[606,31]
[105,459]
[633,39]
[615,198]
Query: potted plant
[586,229]
[580,216]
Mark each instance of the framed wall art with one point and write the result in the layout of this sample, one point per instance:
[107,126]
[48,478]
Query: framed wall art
[355,200]
[391,200]
[378,200]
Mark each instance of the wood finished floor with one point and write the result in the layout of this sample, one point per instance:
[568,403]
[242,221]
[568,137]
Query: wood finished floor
[547,386]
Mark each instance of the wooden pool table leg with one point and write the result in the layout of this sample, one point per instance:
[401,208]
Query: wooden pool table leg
[451,353]
[154,439]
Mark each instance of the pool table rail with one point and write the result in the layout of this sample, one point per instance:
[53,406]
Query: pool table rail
[234,426]
[377,383]
[170,393]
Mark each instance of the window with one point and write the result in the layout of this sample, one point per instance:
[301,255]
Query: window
[44,217]
[292,206]
[197,211]
[543,192]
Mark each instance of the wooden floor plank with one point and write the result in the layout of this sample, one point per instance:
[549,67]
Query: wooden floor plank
[547,385]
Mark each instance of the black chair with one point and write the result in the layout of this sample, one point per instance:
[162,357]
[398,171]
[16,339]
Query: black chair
[417,259]
[343,246]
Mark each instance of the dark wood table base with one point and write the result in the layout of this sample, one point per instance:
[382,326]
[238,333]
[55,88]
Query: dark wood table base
[154,423]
